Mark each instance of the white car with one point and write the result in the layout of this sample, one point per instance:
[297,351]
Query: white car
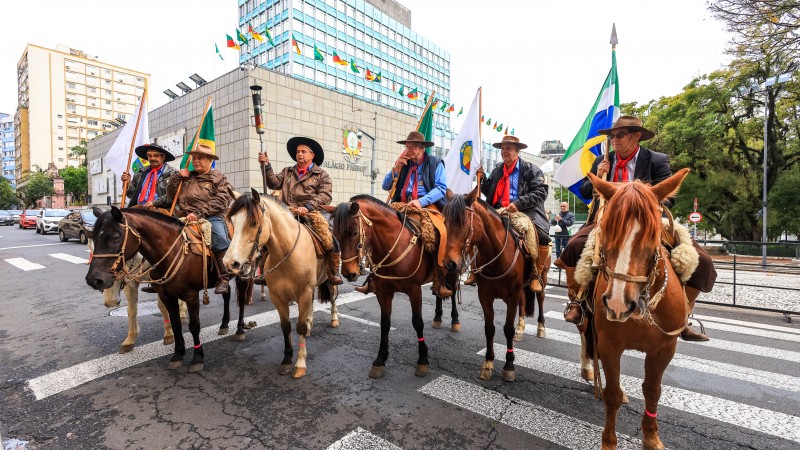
[48,219]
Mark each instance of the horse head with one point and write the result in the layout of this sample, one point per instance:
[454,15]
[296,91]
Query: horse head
[464,229]
[630,242]
[348,229]
[114,242]
[250,231]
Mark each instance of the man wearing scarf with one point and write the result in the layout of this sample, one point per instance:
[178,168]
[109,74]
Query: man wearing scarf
[518,186]
[149,186]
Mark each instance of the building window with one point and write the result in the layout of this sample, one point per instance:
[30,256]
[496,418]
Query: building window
[71,108]
[61,138]
[70,85]
[60,116]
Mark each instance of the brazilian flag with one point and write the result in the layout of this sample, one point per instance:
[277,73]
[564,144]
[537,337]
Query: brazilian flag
[205,137]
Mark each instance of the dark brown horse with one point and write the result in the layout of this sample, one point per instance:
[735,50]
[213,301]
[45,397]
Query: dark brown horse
[501,269]
[177,272]
[638,302]
[368,228]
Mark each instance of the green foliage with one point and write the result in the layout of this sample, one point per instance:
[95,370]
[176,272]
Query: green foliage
[7,197]
[38,186]
[79,152]
[76,181]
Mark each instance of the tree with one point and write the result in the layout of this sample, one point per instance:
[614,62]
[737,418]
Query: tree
[7,197]
[761,26]
[79,152]
[76,181]
[37,187]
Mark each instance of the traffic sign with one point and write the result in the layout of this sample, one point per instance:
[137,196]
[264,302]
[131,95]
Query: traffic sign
[695,217]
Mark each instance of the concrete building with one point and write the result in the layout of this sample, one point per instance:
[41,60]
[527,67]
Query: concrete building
[64,97]
[7,147]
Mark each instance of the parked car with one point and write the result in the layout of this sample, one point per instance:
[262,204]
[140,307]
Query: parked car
[28,218]
[75,225]
[48,219]
[6,218]
[15,213]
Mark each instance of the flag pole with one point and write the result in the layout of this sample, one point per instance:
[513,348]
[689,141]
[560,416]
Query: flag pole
[480,133]
[394,183]
[133,143]
[194,147]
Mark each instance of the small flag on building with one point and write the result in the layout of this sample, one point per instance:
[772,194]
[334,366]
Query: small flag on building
[338,60]
[294,44]
[369,75]
[269,37]
[353,66]
[255,35]
[460,111]
[413,94]
[318,54]
[401,90]
[240,37]
[378,78]
[231,43]
[218,53]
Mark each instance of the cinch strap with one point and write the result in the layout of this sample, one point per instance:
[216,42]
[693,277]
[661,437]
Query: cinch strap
[649,414]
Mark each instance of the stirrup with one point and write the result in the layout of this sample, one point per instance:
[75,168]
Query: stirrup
[365,288]
[580,307]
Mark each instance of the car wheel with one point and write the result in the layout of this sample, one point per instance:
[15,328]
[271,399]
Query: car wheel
[82,238]
[61,236]
[44,231]
[38,231]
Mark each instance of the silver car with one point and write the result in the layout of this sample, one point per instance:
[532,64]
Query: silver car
[48,220]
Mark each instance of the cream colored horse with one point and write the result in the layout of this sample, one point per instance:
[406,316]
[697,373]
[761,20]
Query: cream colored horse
[291,269]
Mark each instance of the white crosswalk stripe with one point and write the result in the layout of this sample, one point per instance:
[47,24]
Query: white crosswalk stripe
[762,326]
[361,439]
[23,264]
[69,258]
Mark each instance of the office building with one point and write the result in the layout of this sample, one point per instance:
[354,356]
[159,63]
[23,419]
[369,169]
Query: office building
[7,147]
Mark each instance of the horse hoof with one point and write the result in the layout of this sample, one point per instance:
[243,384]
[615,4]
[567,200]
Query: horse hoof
[299,372]
[334,323]
[125,348]
[587,374]
[436,324]
[486,374]
[239,337]
[509,375]
[286,369]
[197,367]
[175,364]
[652,444]
[455,328]
[377,372]
[223,331]
[541,332]
[625,399]
[422,370]
[518,337]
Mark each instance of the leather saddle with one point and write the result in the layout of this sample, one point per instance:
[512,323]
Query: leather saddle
[194,237]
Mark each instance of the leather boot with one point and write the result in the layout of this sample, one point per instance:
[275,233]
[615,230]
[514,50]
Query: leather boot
[470,281]
[222,274]
[334,260]
[148,288]
[367,287]
[688,334]
[259,280]
[439,288]
[537,283]
[574,312]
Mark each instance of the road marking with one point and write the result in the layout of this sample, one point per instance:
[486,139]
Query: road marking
[70,258]
[754,376]
[24,264]
[37,245]
[530,418]
[762,326]
[361,439]
[750,349]
[773,423]
[70,377]
[360,320]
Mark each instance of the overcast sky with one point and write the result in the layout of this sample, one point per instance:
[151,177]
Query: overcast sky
[541,64]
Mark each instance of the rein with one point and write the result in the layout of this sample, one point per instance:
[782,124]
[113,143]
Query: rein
[479,270]
[258,236]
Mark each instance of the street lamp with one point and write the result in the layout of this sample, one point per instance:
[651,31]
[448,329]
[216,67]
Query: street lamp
[755,88]
[372,172]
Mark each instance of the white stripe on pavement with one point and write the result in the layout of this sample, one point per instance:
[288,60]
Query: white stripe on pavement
[754,376]
[773,423]
[361,439]
[70,377]
[530,418]
[24,264]
[745,323]
[70,258]
[360,320]
[37,245]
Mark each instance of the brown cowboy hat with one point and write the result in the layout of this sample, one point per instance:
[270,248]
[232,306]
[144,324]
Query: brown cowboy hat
[293,143]
[141,151]
[510,140]
[632,123]
[415,137]
[203,150]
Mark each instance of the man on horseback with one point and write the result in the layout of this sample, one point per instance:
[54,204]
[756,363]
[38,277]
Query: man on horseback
[421,183]
[305,187]
[626,163]
[205,195]
[518,186]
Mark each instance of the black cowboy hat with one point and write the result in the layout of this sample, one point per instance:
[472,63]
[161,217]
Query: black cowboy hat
[415,137]
[141,151]
[293,143]
[631,123]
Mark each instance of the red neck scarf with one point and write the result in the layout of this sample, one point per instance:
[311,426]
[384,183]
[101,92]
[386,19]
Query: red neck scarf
[412,173]
[148,192]
[503,190]
[302,172]
[621,167]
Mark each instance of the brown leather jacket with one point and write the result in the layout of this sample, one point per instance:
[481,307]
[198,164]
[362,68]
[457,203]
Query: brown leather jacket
[313,191]
[205,195]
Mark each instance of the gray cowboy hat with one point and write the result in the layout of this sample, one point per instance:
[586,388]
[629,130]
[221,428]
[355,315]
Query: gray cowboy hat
[415,137]
[141,151]
[632,123]
[510,140]
[204,150]
[293,143]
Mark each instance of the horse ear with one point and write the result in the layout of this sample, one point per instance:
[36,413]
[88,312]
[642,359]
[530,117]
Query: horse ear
[449,195]
[233,193]
[328,208]
[116,214]
[669,187]
[604,188]
[255,196]
[97,211]
[354,208]
[473,195]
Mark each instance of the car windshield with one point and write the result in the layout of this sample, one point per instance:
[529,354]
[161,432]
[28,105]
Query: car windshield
[15,211]
[4,213]
[32,212]
[56,213]
[88,217]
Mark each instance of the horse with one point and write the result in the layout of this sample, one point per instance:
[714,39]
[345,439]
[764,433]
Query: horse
[368,227]
[639,303]
[500,273]
[291,268]
[176,271]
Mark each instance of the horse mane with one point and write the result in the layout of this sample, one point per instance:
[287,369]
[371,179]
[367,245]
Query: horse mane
[153,215]
[342,225]
[632,201]
[380,204]
[245,202]
[455,210]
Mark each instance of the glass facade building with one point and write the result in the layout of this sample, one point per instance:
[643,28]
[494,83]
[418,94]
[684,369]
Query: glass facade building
[7,147]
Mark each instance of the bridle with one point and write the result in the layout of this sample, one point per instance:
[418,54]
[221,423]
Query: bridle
[263,206]
[479,270]
[119,257]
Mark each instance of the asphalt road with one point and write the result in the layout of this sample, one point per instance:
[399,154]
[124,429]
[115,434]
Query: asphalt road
[64,385]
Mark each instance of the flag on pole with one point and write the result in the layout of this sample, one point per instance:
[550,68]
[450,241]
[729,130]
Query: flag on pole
[353,66]
[369,75]
[548,166]
[255,35]
[231,43]
[240,37]
[218,53]
[338,60]
[464,157]
[426,124]
[512,131]
[451,108]
[401,90]
[205,137]
[117,157]
[585,147]
[413,94]
[377,78]
[294,44]
[269,36]
[318,54]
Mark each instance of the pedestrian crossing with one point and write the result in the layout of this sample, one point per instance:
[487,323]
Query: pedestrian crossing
[27,265]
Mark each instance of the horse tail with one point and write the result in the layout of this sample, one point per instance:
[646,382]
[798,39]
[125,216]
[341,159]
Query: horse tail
[324,292]
[589,334]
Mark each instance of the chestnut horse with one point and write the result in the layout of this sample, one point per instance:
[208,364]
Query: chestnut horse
[177,272]
[367,227]
[500,273]
[639,302]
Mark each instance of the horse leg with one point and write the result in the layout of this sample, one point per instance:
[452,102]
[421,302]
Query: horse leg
[540,329]
[169,337]
[519,332]
[243,288]
[419,327]
[587,367]
[488,328]
[286,327]
[184,309]
[263,294]
[175,320]
[509,373]
[385,302]
[198,357]
[654,366]
[111,295]
[612,394]
[437,314]
[131,291]
[226,315]
[305,320]
[334,311]
[455,325]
